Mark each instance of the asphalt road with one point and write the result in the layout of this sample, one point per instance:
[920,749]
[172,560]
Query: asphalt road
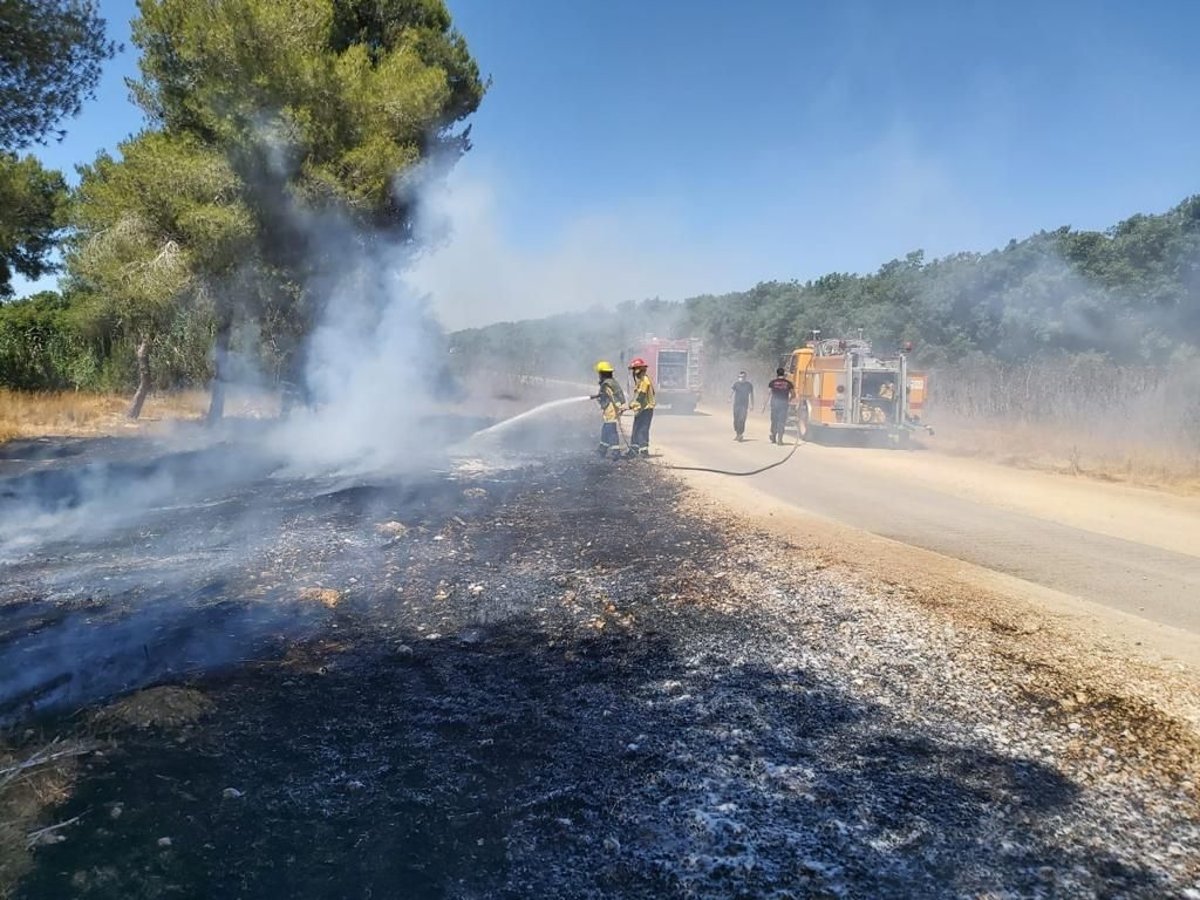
[1133,550]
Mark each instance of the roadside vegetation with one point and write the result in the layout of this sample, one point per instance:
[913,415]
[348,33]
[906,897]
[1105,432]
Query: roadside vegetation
[196,249]
[1072,350]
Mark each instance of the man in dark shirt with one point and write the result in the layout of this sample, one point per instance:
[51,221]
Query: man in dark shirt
[743,396]
[782,393]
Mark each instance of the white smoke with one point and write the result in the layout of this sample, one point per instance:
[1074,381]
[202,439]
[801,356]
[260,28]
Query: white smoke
[477,273]
[372,367]
[377,359]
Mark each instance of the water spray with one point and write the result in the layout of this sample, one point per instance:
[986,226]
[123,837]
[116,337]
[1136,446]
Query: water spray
[528,414]
[500,427]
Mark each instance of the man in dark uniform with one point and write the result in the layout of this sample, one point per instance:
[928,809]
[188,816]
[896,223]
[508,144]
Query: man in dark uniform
[782,392]
[743,397]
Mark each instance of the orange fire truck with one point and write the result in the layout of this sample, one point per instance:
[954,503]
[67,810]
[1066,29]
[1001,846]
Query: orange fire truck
[843,385]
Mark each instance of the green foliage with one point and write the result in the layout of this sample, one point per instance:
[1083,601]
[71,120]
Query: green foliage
[51,52]
[1130,294]
[39,348]
[153,229]
[566,345]
[156,232]
[272,121]
[320,101]
[267,116]
[32,213]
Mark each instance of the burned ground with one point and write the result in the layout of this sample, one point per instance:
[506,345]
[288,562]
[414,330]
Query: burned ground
[546,680]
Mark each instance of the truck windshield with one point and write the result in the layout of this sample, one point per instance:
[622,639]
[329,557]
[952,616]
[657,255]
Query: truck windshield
[879,385]
[672,369]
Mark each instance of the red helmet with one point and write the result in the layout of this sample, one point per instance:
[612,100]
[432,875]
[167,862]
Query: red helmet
[638,363]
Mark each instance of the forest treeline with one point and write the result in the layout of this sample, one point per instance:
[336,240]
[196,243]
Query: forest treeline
[1129,295]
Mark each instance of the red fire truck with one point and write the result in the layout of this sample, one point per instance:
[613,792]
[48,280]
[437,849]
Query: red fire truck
[674,368]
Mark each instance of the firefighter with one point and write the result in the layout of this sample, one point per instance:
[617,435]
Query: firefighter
[611,398]
[642,407]
[887,402]
[743,398]
[782,392]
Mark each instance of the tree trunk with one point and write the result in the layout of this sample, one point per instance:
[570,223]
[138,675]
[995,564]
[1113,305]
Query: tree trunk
[143,388]
[216,408]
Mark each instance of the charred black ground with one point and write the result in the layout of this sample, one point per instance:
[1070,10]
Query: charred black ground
[525,682]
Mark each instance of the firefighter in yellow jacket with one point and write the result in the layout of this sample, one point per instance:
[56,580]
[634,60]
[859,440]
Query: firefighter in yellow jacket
[611,399]
[642,407]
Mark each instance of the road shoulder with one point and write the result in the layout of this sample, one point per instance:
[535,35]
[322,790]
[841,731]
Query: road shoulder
[1085,641]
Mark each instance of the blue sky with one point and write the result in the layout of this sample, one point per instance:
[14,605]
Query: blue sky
[666,148]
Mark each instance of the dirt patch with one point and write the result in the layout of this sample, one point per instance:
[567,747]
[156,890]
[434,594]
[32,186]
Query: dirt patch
[161,707]
[392,529]
[327,597]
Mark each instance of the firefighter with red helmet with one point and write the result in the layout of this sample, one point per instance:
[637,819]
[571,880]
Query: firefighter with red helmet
[642,407]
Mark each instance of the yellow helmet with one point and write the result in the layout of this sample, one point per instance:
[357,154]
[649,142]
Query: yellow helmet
[604,366]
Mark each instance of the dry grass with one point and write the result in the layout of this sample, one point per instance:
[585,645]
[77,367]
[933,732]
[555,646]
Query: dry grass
[37,779]
[79,414]
[32,414]
[1079,415]
[31,785]
[1073,451]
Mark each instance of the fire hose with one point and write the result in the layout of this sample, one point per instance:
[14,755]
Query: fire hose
[676,468]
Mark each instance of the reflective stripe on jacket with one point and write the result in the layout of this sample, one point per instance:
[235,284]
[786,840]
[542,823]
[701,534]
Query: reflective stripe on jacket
[611,399]
[643,395]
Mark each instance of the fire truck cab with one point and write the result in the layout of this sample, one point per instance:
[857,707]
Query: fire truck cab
[843,385]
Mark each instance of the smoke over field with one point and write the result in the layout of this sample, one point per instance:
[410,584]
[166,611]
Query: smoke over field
[1081,416]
